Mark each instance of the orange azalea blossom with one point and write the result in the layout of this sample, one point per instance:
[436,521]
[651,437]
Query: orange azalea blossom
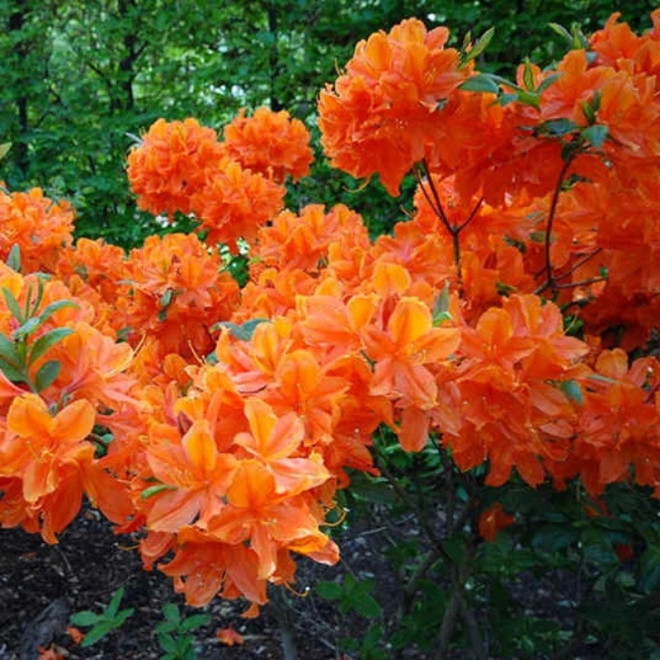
[270,143]
[492,520]
[47,452]
[381,116]
[171,164]
[193,473]
[302,241]
[620,422]
[229,637]
[235,202]
[39,226]
[96,263]
[177,294]
[403,354]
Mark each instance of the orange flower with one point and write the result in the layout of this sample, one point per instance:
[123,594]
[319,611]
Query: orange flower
[39,226]
[194,474]
[235,202]
[492,520]
[171,164]
[381,115]
[229,637]
[39,446]
[270,143]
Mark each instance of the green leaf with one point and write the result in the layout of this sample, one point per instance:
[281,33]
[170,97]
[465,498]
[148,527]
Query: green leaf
[365,605]
[596,134]
[12,372]
[562,32]
[47,341]
[49,310]
[27,328]
[113,605]
[8,351]
[119,619]
[13,305]
[14,258]
[167,643]
[85,618]
[557,127]
[154,490]
[572,390]
[482,82]
[195,621]
[96,633]
[47,374]
[553,537]
[329,590]
[4,150]
[166,298]
[650,577]
[528,75]
[244,331]
[455,548]
[441,307]
[481,45]
[529,98]
[550,80]
[171,612]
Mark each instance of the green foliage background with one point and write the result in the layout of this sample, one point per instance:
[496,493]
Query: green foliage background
[78,77]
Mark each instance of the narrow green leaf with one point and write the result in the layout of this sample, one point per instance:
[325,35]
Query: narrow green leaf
[596,134]
[27,328]
[329,590]
[171,613]
[120,617]
[166,298]
[572,390]
[8,351]
[529,98]
[244,331]
[47,374]
[562,32]
[13,305]
[557,127]
[366,605]
[441,306]
[195,621]
[154,490]
[49,310]
[482,82]
[481,44]
[12,372]
[40,295]
[14,258]
[85,618]
[113,605]
[167,643]
[95,634]
[528,75]
[550,80]
[46,342]
[4,150]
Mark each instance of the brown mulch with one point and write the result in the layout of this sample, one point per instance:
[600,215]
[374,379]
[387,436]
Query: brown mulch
[42,585]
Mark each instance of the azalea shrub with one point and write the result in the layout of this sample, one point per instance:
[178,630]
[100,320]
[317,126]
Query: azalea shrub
[503,336]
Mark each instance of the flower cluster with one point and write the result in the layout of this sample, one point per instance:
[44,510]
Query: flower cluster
[231,187]
[216,424]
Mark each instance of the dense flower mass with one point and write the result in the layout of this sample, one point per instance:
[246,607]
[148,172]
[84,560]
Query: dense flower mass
[271,143]
[382,114]
[171,164]
[216,423]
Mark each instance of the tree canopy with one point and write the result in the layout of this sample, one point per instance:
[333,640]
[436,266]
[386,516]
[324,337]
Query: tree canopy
[82,78]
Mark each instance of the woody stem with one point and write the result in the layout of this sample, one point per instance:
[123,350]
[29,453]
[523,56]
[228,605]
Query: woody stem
[549,279]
